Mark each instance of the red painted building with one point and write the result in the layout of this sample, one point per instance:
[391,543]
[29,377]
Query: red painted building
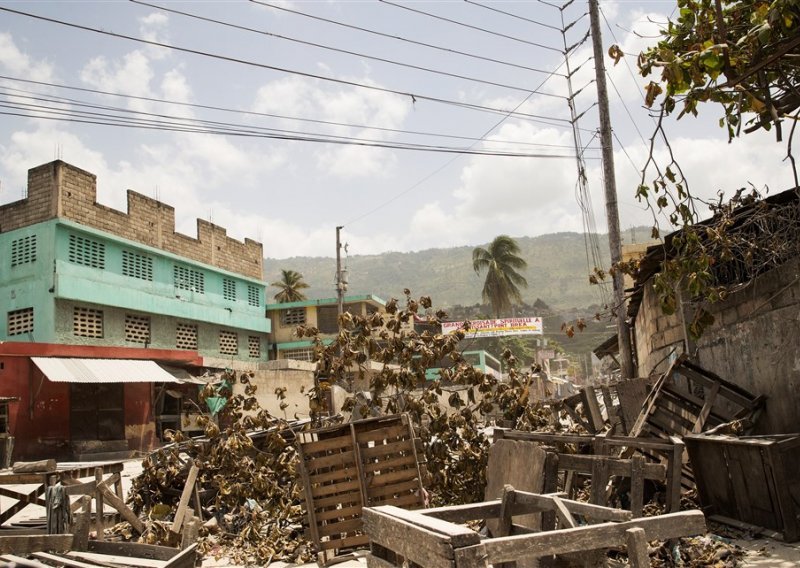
[65,406]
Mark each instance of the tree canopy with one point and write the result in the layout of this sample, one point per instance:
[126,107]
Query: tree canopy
[744,55]
[289,287]
[501,261]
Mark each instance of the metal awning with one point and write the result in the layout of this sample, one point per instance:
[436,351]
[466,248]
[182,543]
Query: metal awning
[72,370]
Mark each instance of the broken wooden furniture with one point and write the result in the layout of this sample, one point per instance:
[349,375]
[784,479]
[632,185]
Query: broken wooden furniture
[350,466]
[105,475]
[582,459]
[749,482]
[431,538]
[688,399]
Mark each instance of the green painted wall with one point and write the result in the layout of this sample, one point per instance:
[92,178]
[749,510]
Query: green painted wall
[57,280]
[28,283]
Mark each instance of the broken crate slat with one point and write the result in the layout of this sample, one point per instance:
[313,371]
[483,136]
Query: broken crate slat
[34,543]
[591,537]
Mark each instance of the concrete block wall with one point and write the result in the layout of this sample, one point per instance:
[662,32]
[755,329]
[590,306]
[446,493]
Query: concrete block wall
[752,343]
[62,190]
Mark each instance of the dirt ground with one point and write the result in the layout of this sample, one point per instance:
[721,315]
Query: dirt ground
[760,552]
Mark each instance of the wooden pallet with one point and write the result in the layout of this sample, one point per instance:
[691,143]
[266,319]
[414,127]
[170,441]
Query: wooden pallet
[351,466]
[431,538]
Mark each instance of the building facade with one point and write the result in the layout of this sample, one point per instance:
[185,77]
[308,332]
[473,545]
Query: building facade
[84,281]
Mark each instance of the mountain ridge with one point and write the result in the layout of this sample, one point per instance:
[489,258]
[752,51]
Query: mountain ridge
[557,272]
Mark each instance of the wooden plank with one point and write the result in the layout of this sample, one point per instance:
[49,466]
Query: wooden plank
[108,560]
[636,543]
[133,550]
[58,560]
[711,396]
[565,518]
[402,461]
[547,520]
[32,498]
[415,543]
[341,513]
[591,537]
[346,542]
[183,504]
[399,431]
[329,444]
[463,513]
[335,488]
[35,543]
[343,459]
[22,478]
[394,489]
[382,479]
[503,526]
[377,562]
[457,535]
[98,503]
[122,509]
[592,409]
[340,527]
[19,561]
[575,507]
[403,446]
[637,485]
[41,466]
[80,525]
[674,468]
[342,499]
[74,487]
[345,473]
[599,482]
[616,466]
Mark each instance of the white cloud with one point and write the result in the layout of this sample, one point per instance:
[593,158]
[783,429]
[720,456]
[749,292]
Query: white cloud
[295,96]
[154,27]
[131,76]
[21,64]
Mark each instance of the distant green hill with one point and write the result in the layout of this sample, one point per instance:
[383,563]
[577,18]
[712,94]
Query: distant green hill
[557,272]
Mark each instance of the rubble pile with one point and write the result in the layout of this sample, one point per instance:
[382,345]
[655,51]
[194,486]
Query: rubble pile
[248,486]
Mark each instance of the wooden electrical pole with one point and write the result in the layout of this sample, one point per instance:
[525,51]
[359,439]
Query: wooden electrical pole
[612,212]
[339,283]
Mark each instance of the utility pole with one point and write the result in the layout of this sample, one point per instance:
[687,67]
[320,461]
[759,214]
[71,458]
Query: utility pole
[339,283]
[612,212]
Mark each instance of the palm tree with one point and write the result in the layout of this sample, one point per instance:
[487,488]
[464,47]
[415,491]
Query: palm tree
[289,286]
[501,261]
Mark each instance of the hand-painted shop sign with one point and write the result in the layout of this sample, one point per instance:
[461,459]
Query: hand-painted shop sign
[496,327]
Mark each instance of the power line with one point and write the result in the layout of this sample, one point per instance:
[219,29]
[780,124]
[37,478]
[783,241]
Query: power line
[517,16]
[175,124]
[254,113]
[398,38]
[470,26]
[454,158]
[217,124]
[339,50]
[410,95]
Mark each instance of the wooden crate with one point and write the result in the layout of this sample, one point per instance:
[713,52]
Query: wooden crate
[431,538]
[668,452]
[351,466]
[752,480]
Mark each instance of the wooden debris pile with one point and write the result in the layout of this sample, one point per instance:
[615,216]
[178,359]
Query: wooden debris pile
[241,480]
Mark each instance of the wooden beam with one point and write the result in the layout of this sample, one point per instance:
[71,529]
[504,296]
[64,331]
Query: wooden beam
[34,543]
[591,537]
[636,543]
[183,504]
[133,550]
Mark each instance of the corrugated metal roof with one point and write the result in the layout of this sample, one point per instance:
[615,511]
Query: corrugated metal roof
[72,370]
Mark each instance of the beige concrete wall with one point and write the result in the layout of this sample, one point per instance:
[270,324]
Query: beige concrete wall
[752,343]
[61,190]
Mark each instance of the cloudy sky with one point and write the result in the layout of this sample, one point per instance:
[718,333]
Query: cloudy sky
[280,120]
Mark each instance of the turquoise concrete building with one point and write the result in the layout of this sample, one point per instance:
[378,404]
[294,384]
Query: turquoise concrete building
[70,284]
